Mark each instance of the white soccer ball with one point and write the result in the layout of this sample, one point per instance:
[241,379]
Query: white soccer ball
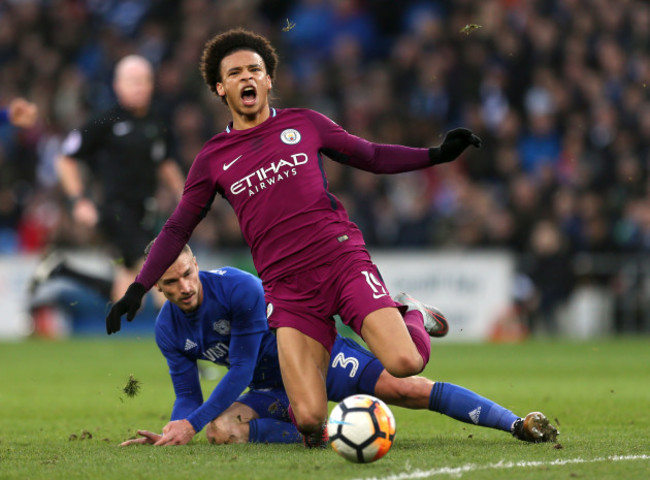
[361,428]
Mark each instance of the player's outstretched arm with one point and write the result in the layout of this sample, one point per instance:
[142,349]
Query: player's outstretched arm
[147,438]
[129,304]
[357,152]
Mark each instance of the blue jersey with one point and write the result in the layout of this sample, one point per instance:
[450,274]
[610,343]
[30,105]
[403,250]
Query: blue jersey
[229,328]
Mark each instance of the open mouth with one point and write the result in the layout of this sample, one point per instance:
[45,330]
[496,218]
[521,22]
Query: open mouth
[248,96]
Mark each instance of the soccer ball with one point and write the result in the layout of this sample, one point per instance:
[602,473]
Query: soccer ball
[361,428]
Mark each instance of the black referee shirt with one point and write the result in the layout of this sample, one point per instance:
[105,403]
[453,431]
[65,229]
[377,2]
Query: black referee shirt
[123,153]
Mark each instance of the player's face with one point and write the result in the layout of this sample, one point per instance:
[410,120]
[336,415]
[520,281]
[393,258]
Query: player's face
[181,285]
[245,85]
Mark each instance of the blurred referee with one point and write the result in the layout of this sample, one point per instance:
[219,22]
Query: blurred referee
[127,151]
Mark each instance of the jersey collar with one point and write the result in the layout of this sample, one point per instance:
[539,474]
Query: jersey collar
[273,114]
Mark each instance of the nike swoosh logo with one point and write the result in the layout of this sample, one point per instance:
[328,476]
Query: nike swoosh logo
[378,295]
[226,166]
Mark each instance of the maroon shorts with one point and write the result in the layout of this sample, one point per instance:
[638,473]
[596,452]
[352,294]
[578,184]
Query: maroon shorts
[351,286]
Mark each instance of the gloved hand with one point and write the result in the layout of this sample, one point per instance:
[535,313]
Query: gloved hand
[129,304]
[455,142]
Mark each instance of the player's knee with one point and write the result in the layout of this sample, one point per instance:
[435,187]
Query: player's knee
[216,433]
[309,420]
[404,364]
[223,430]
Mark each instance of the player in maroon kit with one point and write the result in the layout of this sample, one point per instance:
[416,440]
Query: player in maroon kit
[311,258]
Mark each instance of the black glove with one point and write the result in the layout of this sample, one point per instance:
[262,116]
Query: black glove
[455,142]
[129,304]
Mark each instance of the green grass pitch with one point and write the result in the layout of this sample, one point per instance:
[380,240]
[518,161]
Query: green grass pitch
[63,413]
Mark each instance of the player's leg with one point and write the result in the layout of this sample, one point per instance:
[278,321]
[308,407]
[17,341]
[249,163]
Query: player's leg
[409,392]
[273,424]
[446,398]
[389,338]
[421,322]
[470,407]
[303,363]
[461,404]
[258,416]
[232,426]
[399,341]
[300,309]
[353,369]
[127,248]
[435,323]
[57,265]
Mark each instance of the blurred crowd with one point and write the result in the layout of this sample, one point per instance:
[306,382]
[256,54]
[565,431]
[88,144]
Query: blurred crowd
[559,91]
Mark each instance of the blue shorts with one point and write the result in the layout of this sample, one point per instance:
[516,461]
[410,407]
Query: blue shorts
[268,403]
[352,370]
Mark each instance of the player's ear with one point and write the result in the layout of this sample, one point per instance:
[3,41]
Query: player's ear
[220,90]
[270,82]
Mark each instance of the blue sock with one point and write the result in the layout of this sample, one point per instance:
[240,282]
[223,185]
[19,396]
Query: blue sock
[268,430]
[469,407]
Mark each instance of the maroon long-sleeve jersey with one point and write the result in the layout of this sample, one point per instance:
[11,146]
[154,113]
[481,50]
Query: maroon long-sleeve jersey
[273,177]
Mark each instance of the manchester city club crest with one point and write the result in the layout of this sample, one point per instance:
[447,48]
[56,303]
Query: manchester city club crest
[222,327]
[290,136]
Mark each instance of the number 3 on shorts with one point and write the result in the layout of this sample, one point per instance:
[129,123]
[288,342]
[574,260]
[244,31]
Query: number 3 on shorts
[378,289]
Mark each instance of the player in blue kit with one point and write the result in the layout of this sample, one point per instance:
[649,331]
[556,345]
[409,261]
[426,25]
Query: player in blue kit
[220,316]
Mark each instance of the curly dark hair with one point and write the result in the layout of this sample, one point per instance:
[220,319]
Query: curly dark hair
[231,41]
